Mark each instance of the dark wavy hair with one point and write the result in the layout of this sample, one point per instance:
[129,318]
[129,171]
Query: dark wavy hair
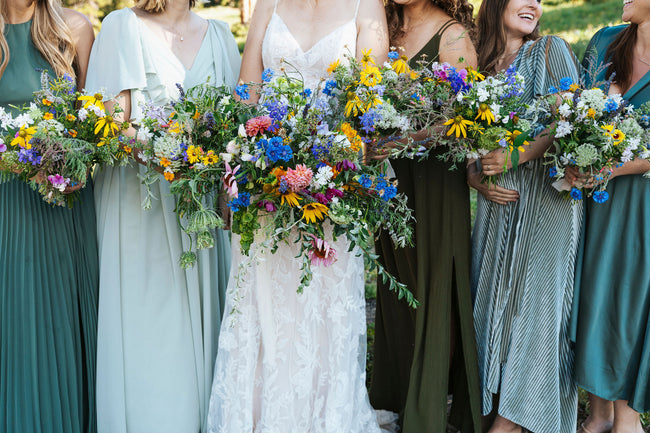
[620,54]
[492,34]
[460,10]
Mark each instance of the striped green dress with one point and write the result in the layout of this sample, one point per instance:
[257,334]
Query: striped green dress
[48,287]
[522,276]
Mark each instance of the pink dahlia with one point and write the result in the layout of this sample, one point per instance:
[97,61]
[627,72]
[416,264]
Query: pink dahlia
[321,253]
[258,125]
[299,177]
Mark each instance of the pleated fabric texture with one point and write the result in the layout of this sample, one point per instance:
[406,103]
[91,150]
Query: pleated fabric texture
[48,313]
[611,309]
[421,355]
[522,274]
[48,287]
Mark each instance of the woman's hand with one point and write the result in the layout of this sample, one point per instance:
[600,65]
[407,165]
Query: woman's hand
[495,193]
[494,162]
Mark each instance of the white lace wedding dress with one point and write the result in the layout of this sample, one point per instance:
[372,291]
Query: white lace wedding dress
[289,362]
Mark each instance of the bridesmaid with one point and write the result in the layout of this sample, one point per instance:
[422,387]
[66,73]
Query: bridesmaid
[524,245]
[158,323]
[48,259]
[423,354]
[611,309]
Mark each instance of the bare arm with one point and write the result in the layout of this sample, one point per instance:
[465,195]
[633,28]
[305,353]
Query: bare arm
[636,166]
[373,30]
[252,65]
[495,161]
[84,36]
[456,48]
[495,193]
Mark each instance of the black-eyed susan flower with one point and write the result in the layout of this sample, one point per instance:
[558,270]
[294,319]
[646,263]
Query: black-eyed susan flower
[291,198]
[106,125]
[210,158]
[95,100]
[193,154]
[511,137]
[370,76]
[367,58]
[313,212]
[354,105]
[401,66]
[458,125]
[23,136]
[618,136]
[484,113]
[474,75]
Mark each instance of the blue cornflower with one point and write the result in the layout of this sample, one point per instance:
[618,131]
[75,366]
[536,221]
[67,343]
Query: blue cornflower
[329,86]
[263,144]
[552,172]
[645,120]
[242,201]
[242,92]
[601,196]
[611,105]
[393,55]
[267,75]
[365,181]
[278,151]
[306,93]
[552,89]
[565,83]
[576,194]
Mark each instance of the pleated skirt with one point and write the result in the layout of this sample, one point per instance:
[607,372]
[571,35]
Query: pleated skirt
[48,313]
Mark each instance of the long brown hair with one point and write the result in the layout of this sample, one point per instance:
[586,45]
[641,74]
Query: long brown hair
[492,33]
[620,54]
[50,34]
[459,10]
[156,6]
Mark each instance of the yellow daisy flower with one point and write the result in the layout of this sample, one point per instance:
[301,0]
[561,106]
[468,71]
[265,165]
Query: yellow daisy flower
[291,198]
[511,137]
[107,124]
[95,100]
[484,113]
[312,212]
[193,154]
[474,75]
[354,105]
[458,125]
[46,102]
[618,136]
[367,58]
[370,76]
[23,136]
[332,67]
[401,65]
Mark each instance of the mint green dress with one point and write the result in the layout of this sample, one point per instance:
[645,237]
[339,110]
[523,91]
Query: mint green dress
[611,308]
[48,287]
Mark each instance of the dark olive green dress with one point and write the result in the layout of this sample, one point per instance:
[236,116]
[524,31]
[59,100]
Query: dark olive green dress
[48,288]
[414,348]
[611,306]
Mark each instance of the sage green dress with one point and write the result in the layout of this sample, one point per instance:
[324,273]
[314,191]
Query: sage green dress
[413,347]
[48,287]
[611,307]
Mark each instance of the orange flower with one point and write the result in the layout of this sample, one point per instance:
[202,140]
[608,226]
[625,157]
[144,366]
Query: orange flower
[164,162]
[48,116]
[169,176]
[72,133]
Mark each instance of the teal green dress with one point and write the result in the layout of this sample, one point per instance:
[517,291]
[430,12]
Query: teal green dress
[611,310]
[48,287]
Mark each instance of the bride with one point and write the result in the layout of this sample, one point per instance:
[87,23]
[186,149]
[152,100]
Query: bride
[290,362]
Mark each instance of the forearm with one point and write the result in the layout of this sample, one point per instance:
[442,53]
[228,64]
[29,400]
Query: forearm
[636,166]
[537,147]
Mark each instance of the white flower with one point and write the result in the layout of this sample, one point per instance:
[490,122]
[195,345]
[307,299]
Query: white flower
[460,96]
[567,96]
[98,111]
[23,120]
[565,110]
[83,114]
[633,143]
[566,158]
[232,147]
[144,158]
[144,134]
[51,125]
[6,121]
[593,98]
[563,129]
[627,155]
[323,176]
[167,146]
[482,94]
[242,131]
[227,157]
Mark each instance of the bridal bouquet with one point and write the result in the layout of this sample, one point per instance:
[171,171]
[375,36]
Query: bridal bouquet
[293,173]
[182,142]
[593,132]
[487,114]
[54,143]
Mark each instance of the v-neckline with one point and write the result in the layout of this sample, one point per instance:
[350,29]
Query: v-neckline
[353,20]
[638,86]
[169,50]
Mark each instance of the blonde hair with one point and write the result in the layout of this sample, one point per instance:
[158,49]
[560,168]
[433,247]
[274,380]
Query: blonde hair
[156,6]
[50,34]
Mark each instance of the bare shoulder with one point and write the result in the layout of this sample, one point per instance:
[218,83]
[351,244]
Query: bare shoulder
[456,32]
[77,22]
[369,8]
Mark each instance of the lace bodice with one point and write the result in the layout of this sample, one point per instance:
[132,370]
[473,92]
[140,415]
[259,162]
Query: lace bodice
[281,49]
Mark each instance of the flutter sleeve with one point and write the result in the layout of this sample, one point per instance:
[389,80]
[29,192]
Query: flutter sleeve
[226,54]
[554,60]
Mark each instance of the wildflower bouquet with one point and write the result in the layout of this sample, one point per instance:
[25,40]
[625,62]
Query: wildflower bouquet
[182,142]
[386,102]
[487,114]
[293,173]
[53,144]
[594,133]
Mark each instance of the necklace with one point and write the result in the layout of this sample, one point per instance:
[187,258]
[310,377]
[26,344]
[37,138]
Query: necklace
[642,60]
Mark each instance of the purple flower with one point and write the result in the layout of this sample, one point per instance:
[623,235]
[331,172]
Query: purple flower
[333,192]
[346,165]
[321,198]
[59,182]
[3,147]
[267,205]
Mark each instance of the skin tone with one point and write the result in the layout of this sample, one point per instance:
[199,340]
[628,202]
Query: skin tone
[520,19]
[422,20]
[309,22]
[20,11]
[617,416]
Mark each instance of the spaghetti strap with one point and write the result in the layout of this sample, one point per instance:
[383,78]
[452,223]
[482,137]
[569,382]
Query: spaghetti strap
[357,11]
[275,7]
[445,26]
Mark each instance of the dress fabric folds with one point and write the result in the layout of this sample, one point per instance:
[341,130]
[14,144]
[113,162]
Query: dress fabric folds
[413,347]
[158,323]
[48,286]
[522,275]
[611,309]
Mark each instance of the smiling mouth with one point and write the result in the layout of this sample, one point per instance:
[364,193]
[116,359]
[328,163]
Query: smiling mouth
[627,2]
[531,17]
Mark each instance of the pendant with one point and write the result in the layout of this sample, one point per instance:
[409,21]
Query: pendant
[182,39]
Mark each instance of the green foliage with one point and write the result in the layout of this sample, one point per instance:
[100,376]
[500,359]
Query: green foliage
[96,10]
